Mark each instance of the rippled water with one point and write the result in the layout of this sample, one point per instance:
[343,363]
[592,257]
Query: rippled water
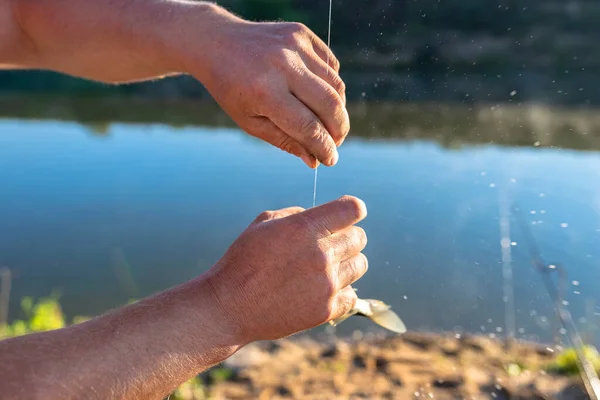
[142,207]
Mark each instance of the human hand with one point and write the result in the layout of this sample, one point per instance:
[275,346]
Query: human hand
[274,81]
[291,270]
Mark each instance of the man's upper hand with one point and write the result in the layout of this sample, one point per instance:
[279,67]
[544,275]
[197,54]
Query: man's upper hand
[291,270]
[274,81]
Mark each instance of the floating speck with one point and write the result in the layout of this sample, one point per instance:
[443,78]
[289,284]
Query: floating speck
[576,292]
[542,211]
[542,194]
[575,283]
[565,303]
[405,297]
[536,144]
[363,94]
[564,225]
[532,212]
[550,350]
[562,331]
[513,243]
[552,266]
[489,320]
[513,180]
[492,185]
[482,328]
[483,173]
[513,92]
[521,331]
[498,329]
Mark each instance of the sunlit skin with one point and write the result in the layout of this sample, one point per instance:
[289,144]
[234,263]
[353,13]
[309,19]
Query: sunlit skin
[291,270]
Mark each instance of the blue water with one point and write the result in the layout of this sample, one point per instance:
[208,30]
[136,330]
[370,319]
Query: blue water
[106,219]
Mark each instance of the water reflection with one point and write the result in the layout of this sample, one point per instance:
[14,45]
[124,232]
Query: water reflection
[141,207]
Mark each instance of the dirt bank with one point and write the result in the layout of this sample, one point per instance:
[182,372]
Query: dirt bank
[412,366]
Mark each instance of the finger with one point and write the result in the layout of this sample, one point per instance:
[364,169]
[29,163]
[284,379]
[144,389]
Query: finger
[324,52]
[347,243]
[302,125]
[277,214]
[324,101]
[325,72]
[264,129]
[344,302]
[336,215]
[352,270]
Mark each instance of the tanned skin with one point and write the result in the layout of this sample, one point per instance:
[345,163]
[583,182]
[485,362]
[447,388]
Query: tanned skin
[289,271]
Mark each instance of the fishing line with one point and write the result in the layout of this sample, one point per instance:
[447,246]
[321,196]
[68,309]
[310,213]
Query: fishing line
[588,373]
[328,46]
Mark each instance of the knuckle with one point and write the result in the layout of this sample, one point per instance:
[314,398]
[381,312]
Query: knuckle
[333,103]
[364,262]
[287,144]
[360,236]
[297,28]
[339,84]
[324,257]
[264,216]
[325,312]
[335,63]
[310,128]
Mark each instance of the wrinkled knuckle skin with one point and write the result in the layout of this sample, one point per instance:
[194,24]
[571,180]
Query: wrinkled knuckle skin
[334,62]
[333,103]
[309,127]
[287,144]
[338,84]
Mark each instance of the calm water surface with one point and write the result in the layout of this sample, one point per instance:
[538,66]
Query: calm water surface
[105,219]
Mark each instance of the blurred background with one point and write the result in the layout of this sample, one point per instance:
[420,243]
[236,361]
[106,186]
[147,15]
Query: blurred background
[111,193]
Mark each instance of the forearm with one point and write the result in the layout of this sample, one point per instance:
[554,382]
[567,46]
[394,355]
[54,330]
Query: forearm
[108,40]
[142,351]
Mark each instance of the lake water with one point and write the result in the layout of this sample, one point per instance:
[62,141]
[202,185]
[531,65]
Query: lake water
[104,218]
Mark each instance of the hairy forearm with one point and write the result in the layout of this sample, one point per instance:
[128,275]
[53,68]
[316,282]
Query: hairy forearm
[142,351]
[108,40]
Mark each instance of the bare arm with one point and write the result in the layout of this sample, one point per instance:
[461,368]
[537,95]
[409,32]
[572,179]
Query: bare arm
[142,351]
[108,41]
[278,81]
[289,271]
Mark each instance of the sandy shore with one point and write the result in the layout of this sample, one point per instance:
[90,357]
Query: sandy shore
[411,366]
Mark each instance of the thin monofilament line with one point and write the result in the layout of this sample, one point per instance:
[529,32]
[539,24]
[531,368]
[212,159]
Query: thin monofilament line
[328,46]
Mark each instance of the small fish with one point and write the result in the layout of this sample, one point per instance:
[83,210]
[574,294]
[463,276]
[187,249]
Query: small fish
[378,312]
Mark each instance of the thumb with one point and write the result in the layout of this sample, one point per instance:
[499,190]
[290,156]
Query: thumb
[336,215]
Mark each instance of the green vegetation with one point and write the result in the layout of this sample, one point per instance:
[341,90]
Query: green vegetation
[46,314]
[566,362]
